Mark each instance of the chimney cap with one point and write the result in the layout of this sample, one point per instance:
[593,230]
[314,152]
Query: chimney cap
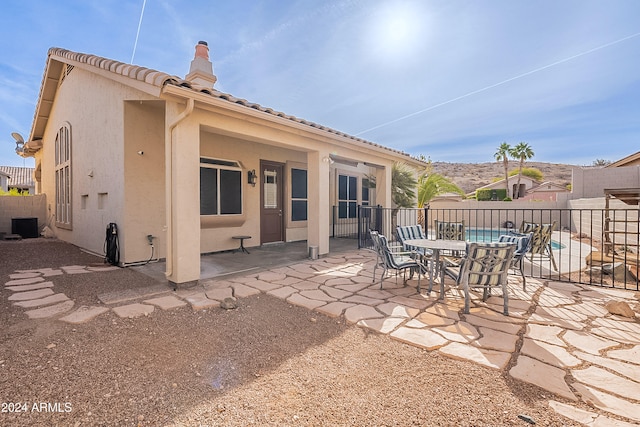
[203,42]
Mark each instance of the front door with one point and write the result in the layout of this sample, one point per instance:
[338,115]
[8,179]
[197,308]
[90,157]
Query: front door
[271,202]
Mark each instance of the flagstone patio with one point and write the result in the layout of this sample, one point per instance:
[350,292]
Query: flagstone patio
[558,336]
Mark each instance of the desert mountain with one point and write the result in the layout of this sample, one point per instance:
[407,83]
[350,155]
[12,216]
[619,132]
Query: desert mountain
[470,176]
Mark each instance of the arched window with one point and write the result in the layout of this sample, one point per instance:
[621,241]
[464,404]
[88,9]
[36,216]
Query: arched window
[63,176]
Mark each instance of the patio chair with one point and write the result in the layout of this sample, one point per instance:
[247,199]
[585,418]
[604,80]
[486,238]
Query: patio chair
[375,239]
[408,232]
[541,240]
[398,261]
[523,243]
[486,265]
[451,231]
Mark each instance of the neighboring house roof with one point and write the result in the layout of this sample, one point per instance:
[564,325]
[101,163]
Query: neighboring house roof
[148,80]
[547,186]
[500,183]
[630,160]
[18,177]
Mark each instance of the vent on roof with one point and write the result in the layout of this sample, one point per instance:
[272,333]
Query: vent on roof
[65,72]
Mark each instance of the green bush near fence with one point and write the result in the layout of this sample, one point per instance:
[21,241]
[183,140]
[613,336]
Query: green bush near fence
[488,194]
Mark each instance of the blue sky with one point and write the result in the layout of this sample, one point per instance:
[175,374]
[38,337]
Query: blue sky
[447,79]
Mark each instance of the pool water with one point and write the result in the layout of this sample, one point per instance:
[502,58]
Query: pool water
[492,235]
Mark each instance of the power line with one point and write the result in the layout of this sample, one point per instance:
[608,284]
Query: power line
[498,84]
[135,45]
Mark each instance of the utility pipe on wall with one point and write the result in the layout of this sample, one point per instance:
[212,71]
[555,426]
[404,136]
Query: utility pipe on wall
[168,154]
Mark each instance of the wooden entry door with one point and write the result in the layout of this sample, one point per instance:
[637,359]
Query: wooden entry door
[271,202]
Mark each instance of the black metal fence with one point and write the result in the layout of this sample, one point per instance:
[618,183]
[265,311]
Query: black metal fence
[589,246]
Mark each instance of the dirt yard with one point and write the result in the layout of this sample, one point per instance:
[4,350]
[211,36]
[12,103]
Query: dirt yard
[264,363]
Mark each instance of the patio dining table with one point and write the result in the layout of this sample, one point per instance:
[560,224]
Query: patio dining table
[436,246]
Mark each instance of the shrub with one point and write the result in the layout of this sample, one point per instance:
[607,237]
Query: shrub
[489,194]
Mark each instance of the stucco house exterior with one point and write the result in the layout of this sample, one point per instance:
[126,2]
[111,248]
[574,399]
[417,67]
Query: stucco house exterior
[526,184]
[178,160]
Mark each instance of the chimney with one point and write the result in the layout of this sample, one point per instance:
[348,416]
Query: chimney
[201,71]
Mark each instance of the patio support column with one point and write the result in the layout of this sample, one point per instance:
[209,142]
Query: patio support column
[183,202]
[318,201]
[383,186]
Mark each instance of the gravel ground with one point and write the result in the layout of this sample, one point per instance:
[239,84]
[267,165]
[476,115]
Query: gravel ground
[265,363]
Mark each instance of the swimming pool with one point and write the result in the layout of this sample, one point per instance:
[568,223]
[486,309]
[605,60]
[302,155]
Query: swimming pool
[492,235]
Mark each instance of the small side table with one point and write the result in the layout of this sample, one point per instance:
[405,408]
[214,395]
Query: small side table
[241,238]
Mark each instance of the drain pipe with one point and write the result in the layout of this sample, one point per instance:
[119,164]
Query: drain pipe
[168,154]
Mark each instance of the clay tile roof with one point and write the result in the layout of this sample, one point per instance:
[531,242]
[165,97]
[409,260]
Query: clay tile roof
[18,176]
[159,79]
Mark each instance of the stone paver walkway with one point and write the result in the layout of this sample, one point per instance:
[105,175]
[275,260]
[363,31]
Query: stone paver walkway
[559,336]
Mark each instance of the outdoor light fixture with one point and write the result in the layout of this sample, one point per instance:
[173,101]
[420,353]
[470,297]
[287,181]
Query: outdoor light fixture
[19,142]
[252,177]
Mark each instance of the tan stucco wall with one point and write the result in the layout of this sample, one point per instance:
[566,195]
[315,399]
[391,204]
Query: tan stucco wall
[590,182]
[96,118]
[144,203]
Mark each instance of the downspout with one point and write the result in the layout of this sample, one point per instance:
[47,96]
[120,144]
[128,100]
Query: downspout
[168,150]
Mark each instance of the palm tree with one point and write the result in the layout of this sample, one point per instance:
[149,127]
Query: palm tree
[523,152]
[403,184]
[503,153]
[431,184]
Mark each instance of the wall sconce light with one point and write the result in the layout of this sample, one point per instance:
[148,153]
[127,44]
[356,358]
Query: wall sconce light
[251,175]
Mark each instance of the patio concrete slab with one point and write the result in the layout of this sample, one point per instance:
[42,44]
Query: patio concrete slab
[495,315]
[219,294]
[270,276]
[561,313]
[299,300]
[460,332]
[29,275]
[306,285]
[628,326]
[168,302]
[51,299]
[23,296]
[50,311]
[443,310]
[84,314]
[375,293]
[625,369]
[131,311]
[587,418]
[361,311]
[199,301]
[317,294]
[422,338]
[617,335]
[262,285]
[607,402]
[27,281]
[429,319]
[337,282]
[393,309]
[588,309]
[482,356]
[545,333]
[553,321]
[549,353]
[119,297]
[36,286]
[75,269]
[383,326]
[631,355]
[358,299]
[496,340]
[543,375]
[335,292]
[287,281]
[243,291]
[606,381]
[353,288]
[587,342]
[510,328]
[334,309]
[283,293]
[420,304]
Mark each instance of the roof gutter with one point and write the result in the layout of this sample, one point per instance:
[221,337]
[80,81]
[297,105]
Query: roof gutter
[168,155]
